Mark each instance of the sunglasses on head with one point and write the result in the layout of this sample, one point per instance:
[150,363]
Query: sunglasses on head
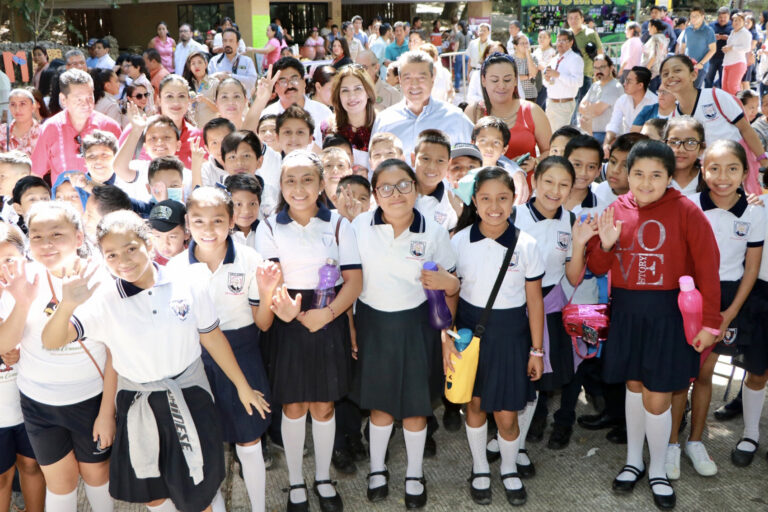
[79,141]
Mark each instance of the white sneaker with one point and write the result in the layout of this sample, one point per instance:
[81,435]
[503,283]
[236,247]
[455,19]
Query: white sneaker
[702,462]
[672,464]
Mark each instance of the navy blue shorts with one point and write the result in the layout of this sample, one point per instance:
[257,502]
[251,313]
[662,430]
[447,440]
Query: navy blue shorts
[56,430]
[13,441]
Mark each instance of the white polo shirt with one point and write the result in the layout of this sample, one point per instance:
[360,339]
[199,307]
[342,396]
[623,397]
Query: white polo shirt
[736,230]
[478,260]
[591,203]
[553,238]
[317,110]
[605,195]
[242,239]
[302,250]
[690,189]
[63,376]
[716,125]
[10,405]
[153,334]
[437,206]
[232,286]
[392,266]
[763,275]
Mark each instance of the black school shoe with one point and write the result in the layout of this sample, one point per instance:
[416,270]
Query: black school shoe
[452,418]
[515,497]
[662,502]
[743,458]
[416,500]
[527,471]
[618,434]
[357,448]
[332,504]
[536,430]
[627,486]
[596,421]
[732,409]
[296,507]
[430,448]
[560,437]
[479,496]
[381,492]
[342,462]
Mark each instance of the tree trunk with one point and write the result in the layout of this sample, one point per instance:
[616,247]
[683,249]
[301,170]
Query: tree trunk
[450,9]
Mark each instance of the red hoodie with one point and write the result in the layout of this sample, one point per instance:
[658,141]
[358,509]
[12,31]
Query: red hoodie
[659,243]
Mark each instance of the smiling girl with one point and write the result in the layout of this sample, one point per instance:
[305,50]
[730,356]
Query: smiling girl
[204,87]
[648,239]
[685,135]
[231,101]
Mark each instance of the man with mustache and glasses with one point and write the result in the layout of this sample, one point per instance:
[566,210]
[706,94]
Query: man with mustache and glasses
[290,88]
[596,107]
[230,63]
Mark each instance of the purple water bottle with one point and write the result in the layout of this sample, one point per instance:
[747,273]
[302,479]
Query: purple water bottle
[326,288]
[439,314]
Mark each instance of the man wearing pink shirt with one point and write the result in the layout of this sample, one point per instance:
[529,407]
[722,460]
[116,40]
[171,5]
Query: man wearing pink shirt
[58,148]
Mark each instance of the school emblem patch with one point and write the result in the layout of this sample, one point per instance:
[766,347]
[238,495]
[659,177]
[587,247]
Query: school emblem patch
[418,248]
[440,217]
[730,335]
[710,112]
[513,261]
[327,239]
[180,307]
[740,229]
[563,240]
[235,282]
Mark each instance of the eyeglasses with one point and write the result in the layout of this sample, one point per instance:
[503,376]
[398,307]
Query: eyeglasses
[403,187]
[688,144]
[285,81]
[140,95]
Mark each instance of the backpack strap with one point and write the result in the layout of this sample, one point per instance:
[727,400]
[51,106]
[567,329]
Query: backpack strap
[720,109]
[573,217]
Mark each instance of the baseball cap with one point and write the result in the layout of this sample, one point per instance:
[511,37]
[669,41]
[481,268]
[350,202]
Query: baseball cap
[466,149]
[91,42]
[166,215]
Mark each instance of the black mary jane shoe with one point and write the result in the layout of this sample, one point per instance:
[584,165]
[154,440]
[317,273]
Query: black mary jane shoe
[332,503]
[479,496]
[626,486]
[381,492]
[515,497]
[416,500]
[528,470]
[743,458]
[296,507]
[662,502]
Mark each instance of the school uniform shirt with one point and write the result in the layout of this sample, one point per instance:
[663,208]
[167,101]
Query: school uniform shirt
[553,238]
[392,266]
[135,189]
[605,195]
[690,189]
[249,240]
[437,206]
[659,243]
[719,122]
[317,110]
[302,250]
[232,286]
[8,214]
[10,404]
[590,205]
[63,376]
[737,229]
[763,275]
[153,334]
[478,260]
[141,167]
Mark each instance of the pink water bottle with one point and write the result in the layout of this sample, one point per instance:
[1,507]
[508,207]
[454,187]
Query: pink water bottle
[690,303]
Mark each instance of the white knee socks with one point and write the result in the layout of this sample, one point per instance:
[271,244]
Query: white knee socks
[752,401]
[293,432]
[509,461]
[476,437]
[524,419]
[254,474]
[379,440]
[635,414]
[60,502]
[166,506]
[323,434]
[414,449]
[657,430]
[99,498]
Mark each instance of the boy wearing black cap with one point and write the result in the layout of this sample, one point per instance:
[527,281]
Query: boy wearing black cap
[169,236]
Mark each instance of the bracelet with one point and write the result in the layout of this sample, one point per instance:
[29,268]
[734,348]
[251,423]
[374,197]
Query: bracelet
[764,156]
[537,352]
[333,313]
[714,332]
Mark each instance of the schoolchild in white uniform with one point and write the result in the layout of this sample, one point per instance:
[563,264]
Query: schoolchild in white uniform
[310,352]
[616,182]
[246,192]
[237,278]
[70,424]
[168,452]
[753,358]
[562,241]
[511,353]
[15,449]
[685,135]
[740,232]
[399,370]
[431,159]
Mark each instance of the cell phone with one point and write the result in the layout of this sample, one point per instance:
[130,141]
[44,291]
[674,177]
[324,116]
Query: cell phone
[522,159]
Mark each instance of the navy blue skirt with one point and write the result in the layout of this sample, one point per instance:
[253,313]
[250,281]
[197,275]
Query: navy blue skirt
[753,357]
[647,341]
[309,366]
[735,337]
[236,425]
[502,381]
[399,366]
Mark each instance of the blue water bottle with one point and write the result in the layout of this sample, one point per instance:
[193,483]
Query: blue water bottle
[325,292]
[439,314]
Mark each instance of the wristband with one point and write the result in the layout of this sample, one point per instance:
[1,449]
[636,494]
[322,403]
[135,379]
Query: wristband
[333,313]
[764,156]
[714,332]
[537,352]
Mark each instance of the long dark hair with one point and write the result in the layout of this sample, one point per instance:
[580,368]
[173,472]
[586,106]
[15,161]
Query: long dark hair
[469,214]
[344,47]
[497,58]
[278,33]
[100,77]
[187,73]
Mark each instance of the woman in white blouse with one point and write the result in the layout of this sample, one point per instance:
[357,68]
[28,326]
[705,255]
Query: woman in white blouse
[735,60]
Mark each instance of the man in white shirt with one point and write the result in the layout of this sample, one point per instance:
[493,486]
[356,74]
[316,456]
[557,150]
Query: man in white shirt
[101,59]
[290,89]
[185,46]
[229,63]
[386,95]
[419,111]
[477,46]
[636,96]
[563,78]
[514,29]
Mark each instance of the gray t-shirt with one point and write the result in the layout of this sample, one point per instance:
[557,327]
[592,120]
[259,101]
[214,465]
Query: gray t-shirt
[606,94]
[462,39]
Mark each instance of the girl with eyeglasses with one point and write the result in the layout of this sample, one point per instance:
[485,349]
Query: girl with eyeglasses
[685,135]
[399,372]
[718,112]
